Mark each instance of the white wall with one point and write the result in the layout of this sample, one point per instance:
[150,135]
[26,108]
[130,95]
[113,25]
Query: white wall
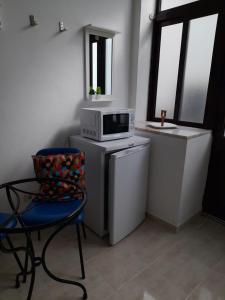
[136,19]
[42,73]
[142,41]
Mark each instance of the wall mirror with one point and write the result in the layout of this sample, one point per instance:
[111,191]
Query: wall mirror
[99,63]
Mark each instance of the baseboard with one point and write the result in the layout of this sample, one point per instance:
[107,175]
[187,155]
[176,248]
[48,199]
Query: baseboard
[160,221]
[218,220]
[170,226]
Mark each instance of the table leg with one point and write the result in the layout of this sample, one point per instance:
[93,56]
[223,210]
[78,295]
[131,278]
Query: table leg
[14,253]
[50,274]
[80,251]
[25,265]
[29,254]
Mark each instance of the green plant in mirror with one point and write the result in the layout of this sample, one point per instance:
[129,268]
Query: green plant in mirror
[98,90]
[91,91]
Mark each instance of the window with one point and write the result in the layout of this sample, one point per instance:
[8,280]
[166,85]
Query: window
[183,50]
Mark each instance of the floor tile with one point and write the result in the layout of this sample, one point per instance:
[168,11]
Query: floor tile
[148,285]
[220,266]
[213,288]
[117,268]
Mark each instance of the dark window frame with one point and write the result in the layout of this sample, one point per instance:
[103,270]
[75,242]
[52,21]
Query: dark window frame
[184,14]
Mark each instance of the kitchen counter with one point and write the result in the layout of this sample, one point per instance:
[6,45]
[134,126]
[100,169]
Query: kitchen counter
[178,166]
[180,132]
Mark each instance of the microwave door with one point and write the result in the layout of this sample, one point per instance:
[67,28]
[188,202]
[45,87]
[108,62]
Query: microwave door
[115,123]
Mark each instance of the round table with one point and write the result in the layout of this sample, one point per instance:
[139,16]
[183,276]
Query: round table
[14,191]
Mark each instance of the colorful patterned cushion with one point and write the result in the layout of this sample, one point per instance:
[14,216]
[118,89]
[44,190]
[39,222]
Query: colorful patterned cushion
[66,166]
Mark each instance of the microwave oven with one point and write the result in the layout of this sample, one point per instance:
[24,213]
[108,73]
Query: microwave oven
[104,123]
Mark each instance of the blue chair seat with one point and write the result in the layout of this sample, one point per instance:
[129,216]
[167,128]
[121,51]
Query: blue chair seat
[40,213]
[11,224]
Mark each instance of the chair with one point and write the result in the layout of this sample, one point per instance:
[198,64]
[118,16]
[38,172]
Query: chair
[47,211]
[7,221]
[64,150]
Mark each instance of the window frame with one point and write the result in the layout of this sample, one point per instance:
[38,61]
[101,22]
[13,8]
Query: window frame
[184,14]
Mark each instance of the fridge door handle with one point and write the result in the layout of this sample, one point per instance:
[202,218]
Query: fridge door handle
[129,151]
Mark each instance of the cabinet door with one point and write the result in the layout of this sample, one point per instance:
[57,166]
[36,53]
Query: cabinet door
[128,177]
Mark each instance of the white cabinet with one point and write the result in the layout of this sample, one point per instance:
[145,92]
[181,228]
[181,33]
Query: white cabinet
[178,168]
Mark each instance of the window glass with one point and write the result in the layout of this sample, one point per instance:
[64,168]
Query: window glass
[197,70]
[167,4]
[168,69]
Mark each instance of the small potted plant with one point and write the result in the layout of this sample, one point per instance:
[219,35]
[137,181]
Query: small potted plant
[98,92]
[91,93]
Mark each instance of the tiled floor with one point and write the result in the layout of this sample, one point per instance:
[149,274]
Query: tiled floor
[152,263]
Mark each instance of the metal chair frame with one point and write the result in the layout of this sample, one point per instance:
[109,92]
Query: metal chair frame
[27,230]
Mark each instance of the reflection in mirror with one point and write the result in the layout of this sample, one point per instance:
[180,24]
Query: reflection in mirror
[100,63]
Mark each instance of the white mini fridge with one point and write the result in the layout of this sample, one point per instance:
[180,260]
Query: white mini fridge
[117,184]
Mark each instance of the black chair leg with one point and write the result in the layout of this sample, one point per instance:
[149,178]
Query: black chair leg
[80,251]
[15,254]
[25,267]
[84,230]
[39,235]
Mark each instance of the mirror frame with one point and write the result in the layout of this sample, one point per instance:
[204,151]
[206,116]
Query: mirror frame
[88,30]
